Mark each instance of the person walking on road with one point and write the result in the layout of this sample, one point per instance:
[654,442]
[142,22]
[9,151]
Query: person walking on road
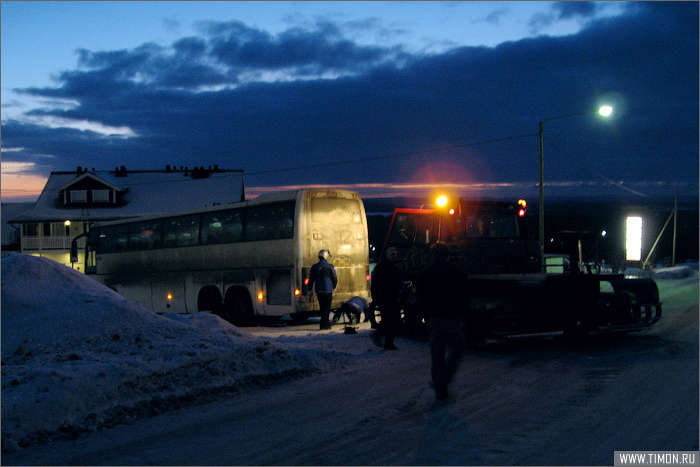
[444,299]
[386,288]
[324,278]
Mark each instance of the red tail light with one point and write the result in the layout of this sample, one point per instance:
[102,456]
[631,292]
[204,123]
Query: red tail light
[305,281]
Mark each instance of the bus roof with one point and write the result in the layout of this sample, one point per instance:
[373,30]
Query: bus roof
[273,197]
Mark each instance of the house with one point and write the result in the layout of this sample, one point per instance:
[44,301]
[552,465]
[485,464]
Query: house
[72,201]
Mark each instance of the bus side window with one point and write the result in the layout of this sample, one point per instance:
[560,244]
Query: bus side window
[222,227]
[144,236]
[181,231]
[113,238]
[270,222]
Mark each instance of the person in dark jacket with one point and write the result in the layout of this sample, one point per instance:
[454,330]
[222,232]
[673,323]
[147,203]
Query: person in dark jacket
[444,300]
[386,288]
[324,278]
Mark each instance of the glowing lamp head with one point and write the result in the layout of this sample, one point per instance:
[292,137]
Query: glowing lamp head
[260,296]
[169,296]
[441,201]
[605,111]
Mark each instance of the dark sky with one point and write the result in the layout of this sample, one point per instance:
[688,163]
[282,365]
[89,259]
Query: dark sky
[467,115]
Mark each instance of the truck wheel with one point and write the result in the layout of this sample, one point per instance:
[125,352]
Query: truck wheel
[374,314]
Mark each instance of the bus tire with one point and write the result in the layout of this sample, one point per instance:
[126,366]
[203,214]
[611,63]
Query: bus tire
[209,299]
[238,308]
[300,317]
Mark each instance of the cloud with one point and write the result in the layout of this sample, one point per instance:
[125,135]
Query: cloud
[575,9]
[582,11]
[241,97]
[495,16]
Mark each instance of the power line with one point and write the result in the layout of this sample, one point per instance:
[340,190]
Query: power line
[404,154]
[238,173]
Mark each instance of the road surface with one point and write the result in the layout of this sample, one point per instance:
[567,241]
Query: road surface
[543,402]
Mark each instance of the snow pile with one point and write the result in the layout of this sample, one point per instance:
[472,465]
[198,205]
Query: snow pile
[661,272]
[678,272]
[77,356]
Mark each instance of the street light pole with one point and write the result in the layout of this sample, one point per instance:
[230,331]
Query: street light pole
[541,208]
[605,111]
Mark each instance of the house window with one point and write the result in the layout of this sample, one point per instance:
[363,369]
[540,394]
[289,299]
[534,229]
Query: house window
[78,196]
[100,196]
[30,230]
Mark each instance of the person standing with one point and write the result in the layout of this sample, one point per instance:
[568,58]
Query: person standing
[444,300]
[324,278]
[386,288]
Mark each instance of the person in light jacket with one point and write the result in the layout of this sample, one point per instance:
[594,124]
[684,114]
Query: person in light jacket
[324,279]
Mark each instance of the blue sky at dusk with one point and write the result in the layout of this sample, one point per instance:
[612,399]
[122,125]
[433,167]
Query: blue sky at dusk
[388,98]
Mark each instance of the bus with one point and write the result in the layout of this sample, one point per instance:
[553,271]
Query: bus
[240,261]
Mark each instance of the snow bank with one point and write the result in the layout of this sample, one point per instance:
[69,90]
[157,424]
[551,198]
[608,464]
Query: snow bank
[660,272]
[678,272]
[77,356]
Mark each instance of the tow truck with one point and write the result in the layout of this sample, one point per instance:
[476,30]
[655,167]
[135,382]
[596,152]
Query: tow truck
[514,291]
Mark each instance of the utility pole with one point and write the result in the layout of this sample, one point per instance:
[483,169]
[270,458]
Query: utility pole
[675,229]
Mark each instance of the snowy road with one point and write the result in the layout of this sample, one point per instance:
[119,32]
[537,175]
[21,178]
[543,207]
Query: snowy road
[526,403]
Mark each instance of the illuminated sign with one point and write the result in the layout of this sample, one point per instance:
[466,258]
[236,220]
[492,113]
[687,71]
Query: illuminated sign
[633,239]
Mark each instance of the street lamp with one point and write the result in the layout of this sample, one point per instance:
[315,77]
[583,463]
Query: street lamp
[604,111]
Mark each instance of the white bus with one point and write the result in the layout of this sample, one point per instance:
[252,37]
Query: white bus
[239,260]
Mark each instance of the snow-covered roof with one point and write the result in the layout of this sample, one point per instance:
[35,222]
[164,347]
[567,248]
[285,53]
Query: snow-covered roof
[146,192]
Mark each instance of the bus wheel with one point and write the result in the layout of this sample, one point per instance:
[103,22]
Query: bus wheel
[238,308]
[300,317]
[209,299]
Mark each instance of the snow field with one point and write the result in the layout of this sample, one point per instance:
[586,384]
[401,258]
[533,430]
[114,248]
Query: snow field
[77,356]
